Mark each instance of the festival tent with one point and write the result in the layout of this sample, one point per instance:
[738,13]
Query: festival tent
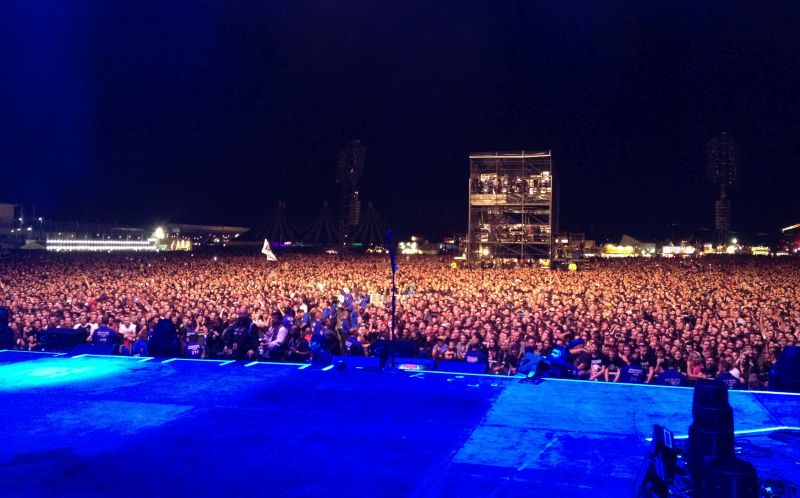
[277,228]
[323,231]
[371,230]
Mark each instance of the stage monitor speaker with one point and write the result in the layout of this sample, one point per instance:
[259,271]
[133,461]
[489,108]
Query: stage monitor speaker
[461,367]
[406,349]
[785,374]
[413,364]
[56,339]
[398,348]
[368,362]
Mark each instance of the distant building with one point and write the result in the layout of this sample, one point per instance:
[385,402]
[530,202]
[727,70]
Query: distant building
[7,216]
[10,235]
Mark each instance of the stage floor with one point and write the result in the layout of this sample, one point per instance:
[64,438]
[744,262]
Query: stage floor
[112,426]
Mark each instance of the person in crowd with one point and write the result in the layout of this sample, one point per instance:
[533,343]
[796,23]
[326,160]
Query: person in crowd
[670,375]
[163,342]
[529,364]
[352,345]
[84,328]
[475,354]
[298,350]
[727,376]
[333,342]
[320,356]
[439,349]
[193,349]
[648,361]
[598,362]
[104,335]
[139,346]
[614,366]
[128,329]
[700,313]
[558,361]
[240,337]
[634,372]
[6,333]
[275,341]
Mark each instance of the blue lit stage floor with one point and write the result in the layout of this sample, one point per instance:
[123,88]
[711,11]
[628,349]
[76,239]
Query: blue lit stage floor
[110,426]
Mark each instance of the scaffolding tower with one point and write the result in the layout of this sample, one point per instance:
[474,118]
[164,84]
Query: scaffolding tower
[510,207]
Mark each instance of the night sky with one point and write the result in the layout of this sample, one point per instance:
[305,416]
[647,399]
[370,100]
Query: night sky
[209,112]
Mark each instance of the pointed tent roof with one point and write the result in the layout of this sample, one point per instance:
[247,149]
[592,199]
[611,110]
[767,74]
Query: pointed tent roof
[323,230]
[277,227]
[372,229]
[627,240]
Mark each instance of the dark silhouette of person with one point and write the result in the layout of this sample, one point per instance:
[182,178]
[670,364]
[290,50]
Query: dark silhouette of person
[163,341]
[6,334]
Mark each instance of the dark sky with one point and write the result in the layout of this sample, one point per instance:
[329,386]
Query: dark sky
[209,112]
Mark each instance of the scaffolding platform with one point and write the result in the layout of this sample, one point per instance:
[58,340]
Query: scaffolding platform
[510,207]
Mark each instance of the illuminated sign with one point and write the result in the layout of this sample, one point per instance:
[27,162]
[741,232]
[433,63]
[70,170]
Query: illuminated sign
[678,250]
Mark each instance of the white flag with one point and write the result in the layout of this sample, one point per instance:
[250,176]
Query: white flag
[268,252]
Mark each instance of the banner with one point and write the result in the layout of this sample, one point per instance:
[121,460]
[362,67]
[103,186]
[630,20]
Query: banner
[268,252]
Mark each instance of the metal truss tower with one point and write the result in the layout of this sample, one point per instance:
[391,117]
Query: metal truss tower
[723,170]
[350,169]
[510,207]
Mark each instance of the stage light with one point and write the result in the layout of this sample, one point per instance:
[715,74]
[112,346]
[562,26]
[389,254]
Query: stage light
[159,233]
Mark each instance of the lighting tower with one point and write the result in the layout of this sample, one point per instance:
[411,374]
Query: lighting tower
[349,173]
[723,171]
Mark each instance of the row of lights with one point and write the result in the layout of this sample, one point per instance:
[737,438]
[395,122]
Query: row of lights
[63,245]
[101,248]
[98,242]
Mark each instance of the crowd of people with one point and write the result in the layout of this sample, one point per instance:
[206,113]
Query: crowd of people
[668,321]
